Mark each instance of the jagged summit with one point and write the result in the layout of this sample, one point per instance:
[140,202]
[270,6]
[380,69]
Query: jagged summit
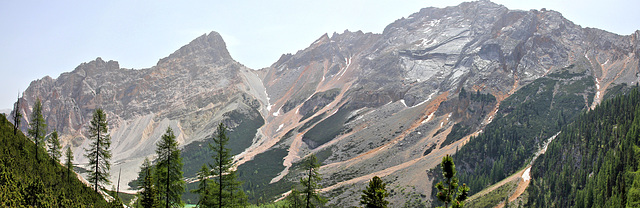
[206,48]
[96,66]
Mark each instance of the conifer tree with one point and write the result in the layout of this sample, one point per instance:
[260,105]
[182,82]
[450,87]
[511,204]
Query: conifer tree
[16,117]
[447,189]
[294,200]
[54,146]
[168,170]
[203,186]
[98,152]
[227,192]
[373,196]
[37,126]
[310,182]
[148,194]
[69,163]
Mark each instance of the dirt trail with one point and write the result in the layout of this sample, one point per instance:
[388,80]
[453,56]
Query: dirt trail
[523,183]
[525,175]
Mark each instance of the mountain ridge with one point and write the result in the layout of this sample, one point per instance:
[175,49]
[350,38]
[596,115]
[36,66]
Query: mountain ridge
[376,96]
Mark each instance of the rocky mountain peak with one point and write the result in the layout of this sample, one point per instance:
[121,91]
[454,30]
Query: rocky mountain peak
[208,48]
[96,67]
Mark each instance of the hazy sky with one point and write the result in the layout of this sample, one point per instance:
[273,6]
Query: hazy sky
[41,38]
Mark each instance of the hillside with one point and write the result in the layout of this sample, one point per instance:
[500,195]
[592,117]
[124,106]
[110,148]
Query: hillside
[594,161]
[27,182]
[478,79]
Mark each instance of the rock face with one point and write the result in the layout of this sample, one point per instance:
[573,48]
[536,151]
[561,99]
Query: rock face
[189,91]
[367,104]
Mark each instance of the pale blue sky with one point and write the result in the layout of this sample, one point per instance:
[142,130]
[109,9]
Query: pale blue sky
[41,38]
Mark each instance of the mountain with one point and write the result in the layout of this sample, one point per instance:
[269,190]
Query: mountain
[191,91]
[389,104]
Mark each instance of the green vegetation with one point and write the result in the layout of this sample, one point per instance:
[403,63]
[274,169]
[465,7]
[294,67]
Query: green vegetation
[447,188]
[98,153]
[317,102]
[54,146]
[469,109]
[241,137]
[16,117]
[594,161]
[532,114]
[148,195]
[327,129]
[494,197]
[309,123]
[308,196]
[225,189]
[258,174]
[458,132]
[26,182]
[373,196]
[168,171]
[37,127]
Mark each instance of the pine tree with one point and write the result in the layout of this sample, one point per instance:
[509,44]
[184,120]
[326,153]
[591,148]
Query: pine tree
[149,194]
[69,163]
[37,126]
[310,182]
[169,170]
[54,146]
[447,189]
[227,192]
[16,117]
[373,196]
[98,152]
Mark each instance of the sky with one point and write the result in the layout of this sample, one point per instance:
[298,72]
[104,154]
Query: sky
[47,38]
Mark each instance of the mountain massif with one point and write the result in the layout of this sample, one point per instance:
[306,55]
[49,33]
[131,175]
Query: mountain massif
[389,105]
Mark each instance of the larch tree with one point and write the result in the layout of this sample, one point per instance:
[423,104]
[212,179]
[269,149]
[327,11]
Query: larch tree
[447,188]
[373,196]
[99,153]
[226,191]
[37,126]
[16,117]
[69,163]
[203,186]
[148,194]
[54,146]
[310,182]
[168,170]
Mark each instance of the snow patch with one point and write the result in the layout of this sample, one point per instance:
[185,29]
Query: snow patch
[527,174]
[280,127]
[429,117]
[348,62]
[429,98]
[268,100]
[403,103]
[277,113]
